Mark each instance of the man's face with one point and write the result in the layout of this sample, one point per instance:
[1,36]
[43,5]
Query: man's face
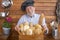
[30,10]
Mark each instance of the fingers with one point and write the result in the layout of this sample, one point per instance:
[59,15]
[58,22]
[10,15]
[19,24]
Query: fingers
[17,28]
[46,31]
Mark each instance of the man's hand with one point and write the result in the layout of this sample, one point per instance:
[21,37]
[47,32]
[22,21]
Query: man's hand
[17,28]
[46,31]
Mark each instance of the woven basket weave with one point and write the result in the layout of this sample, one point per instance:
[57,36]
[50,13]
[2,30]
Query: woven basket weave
[14,35]
[31,37]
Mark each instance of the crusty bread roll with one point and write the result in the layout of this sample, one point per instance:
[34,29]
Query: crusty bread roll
[37,26]
[26,27]
[29,32]
[31,24]
[21,27]
[37,31]
[26,23]
[33,28]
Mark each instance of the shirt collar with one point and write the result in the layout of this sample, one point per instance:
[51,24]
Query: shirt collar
[30,16]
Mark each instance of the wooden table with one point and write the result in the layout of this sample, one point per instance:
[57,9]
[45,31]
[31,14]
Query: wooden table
[3,37]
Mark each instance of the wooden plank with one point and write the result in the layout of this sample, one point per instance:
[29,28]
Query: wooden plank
[1,21]
[50,18]
[16,12]
[45,4]
[36,4]
[15,17]
[47,13]
[45,0]
[15,8]
[37,8]
[0,29]
[38,0]
[3,37]
[17,5]
[1,9]
[19,0]
[45,8]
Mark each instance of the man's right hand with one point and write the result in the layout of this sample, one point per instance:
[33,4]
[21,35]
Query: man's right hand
[17,28]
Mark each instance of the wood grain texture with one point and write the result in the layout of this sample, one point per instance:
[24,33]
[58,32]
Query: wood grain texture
[42,6]
[45,4]
[45,0]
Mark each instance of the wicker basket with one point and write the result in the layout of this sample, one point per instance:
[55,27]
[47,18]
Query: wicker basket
[14,35]
[31,37]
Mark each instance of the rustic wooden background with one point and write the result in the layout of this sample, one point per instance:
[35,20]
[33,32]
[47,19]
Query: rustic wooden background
[42,6]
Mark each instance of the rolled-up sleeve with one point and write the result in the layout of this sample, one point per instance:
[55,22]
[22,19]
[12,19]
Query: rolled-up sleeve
[44,23]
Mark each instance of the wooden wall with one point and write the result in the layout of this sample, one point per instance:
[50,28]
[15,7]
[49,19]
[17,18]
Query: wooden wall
[42,6]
